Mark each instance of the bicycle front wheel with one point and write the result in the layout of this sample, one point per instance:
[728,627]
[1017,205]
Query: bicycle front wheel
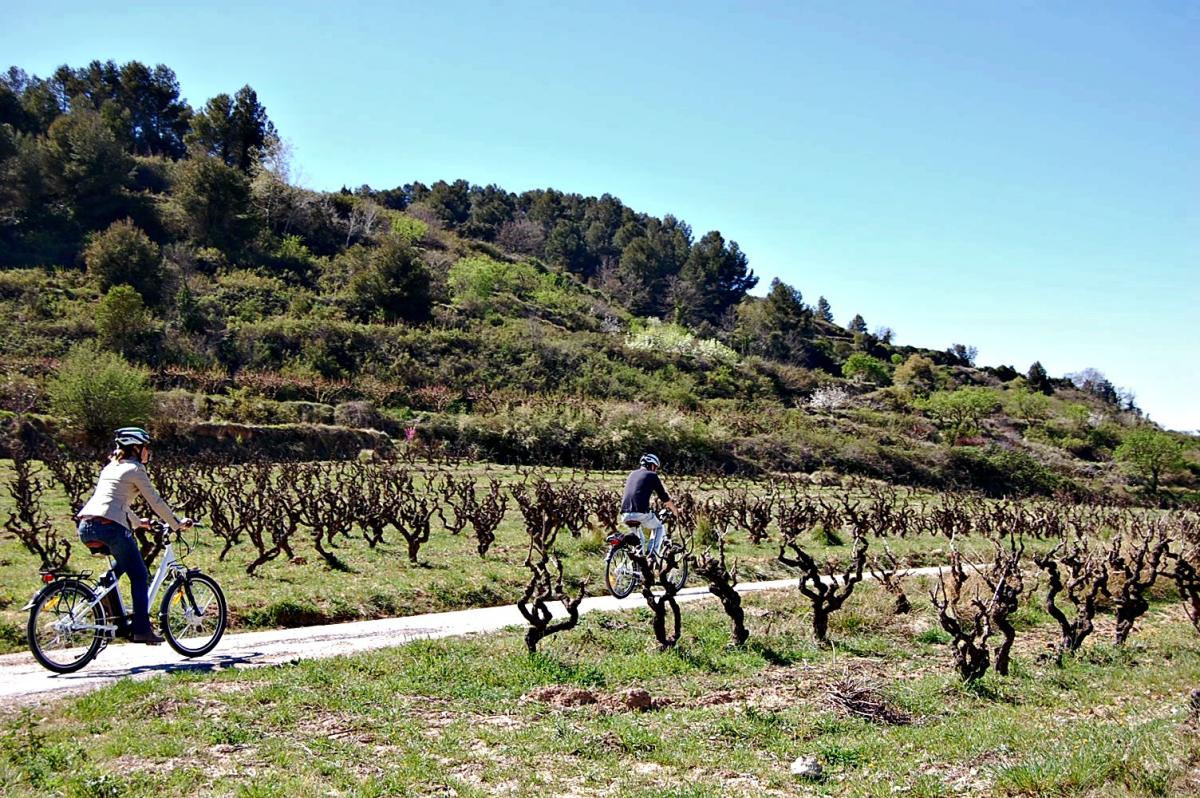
[65,627]
[678,576]
[193,615]
[620,574]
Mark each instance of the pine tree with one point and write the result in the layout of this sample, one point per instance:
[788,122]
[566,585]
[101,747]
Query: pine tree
[824,311]
[1038,379]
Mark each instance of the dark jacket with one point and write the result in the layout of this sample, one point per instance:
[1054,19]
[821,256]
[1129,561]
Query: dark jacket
[638,487]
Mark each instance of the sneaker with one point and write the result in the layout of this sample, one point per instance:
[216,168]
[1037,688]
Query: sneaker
[149,638]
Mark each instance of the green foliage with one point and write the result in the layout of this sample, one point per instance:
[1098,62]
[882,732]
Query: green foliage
[960,412]
[235,130]
[1151,455]
[918,374]
[245,295]
[824,310]
[124,255]
[651,335]
[121,319]
[97,391]
[483,286]
[1028,405]
[393,287]
[1038,379]
[213,200]
[476,281]
[999,471]
[861,367]
[84,160]
[713,279]
[408,227]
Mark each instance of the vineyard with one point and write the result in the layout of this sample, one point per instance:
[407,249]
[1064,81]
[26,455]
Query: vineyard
[287,536]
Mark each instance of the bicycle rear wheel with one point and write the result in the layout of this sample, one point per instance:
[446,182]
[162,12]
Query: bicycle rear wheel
[620,574]
[193,615]
[65,633]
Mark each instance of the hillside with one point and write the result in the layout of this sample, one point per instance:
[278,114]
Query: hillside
[540,327]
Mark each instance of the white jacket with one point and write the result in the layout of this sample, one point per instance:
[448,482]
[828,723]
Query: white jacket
[119,483]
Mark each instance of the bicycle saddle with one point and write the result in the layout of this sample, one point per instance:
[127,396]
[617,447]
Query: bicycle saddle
[97,547]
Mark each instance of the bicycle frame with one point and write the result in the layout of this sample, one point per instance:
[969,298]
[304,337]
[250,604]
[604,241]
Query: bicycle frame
[167,566]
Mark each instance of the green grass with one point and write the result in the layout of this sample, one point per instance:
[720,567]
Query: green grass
[447,718]
[380,582]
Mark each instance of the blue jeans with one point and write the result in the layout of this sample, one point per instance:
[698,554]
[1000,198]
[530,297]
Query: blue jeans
[129,562]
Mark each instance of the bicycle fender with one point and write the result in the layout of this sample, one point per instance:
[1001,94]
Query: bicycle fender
[45,588]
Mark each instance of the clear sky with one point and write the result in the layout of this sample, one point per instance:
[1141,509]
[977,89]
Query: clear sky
[1022,177]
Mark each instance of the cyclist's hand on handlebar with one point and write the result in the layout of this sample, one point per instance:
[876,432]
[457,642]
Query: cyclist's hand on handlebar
[187,523]
[143,523]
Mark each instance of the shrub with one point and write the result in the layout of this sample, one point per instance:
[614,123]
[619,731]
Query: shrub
[654,336]
[409,228]
[97,391]
[359,415]
[1028,405]
[121,319]
[959,412]
[1151,454]
[918,374]
[862,367]
[124,255]
[393,287]
[1001,472]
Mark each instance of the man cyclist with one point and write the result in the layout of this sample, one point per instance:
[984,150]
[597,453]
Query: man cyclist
[635,505]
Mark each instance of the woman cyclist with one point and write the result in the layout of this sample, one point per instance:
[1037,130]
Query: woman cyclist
[107,517]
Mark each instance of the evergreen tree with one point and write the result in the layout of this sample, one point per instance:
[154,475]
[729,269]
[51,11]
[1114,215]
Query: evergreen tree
[234,129]
[1038,379]
[214,199]
[858,325]
[565,248]
[824,311]
[491,208]
[450,202]
[713,280]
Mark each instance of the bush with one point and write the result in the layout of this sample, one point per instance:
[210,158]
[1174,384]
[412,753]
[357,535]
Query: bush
[358,415]
[97,391]
[121,319]
[918,374]
[1151,455]
[863,367]
[652,335]
[959,412]
[124,255]
[394,286]
[1001,472]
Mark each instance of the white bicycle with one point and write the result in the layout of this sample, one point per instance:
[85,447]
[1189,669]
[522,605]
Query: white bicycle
[72,618]
[621,574]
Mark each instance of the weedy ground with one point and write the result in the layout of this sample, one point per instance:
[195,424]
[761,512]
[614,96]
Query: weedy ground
[478,716]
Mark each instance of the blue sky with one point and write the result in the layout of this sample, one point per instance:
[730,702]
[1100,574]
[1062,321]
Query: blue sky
[1022,177]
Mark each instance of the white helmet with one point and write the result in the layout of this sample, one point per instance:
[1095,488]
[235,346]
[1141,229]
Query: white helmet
[649,460]
[132,436]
